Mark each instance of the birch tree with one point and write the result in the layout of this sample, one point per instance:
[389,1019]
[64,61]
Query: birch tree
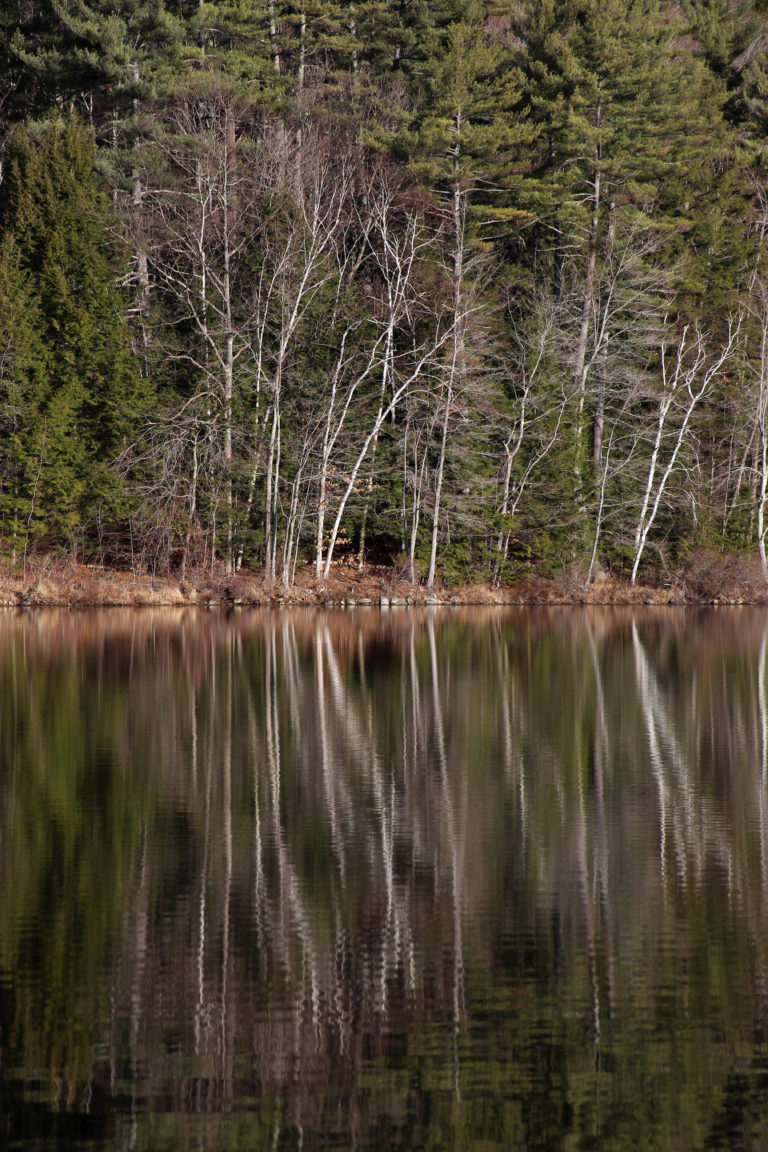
[688,373]
[530,428]
[196,231]
[301,232]
[757,442]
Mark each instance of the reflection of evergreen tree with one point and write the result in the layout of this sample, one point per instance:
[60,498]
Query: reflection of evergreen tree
[525,885]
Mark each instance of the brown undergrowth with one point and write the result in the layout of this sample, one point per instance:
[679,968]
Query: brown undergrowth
[708,577]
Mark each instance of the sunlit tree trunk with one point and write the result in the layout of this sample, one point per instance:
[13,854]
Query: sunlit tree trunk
[684,385]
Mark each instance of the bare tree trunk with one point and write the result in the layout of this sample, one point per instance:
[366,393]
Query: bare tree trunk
[761,424]
[598,422]
[456,369]
[386,374]
[427,357]
[581,365]
[690,382]
[275,50]
[300,74]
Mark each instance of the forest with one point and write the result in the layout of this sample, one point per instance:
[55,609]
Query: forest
[475,290]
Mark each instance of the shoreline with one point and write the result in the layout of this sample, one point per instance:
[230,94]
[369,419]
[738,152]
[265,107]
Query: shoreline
[69,585]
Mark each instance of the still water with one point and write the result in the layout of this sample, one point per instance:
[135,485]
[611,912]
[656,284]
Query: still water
[462,879]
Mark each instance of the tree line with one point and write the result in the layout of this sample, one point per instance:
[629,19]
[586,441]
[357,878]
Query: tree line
[472,288]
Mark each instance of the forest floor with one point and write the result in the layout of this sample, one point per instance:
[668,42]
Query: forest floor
[708,578]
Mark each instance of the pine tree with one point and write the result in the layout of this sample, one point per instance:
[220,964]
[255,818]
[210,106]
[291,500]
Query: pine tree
[460,143]
[242,39]
[724,29]
[750,102]
[395,35]
[101,59]
[628,123]
[15,93]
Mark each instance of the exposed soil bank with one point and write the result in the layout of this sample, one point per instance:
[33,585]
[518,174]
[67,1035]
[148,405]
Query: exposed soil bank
[708,579]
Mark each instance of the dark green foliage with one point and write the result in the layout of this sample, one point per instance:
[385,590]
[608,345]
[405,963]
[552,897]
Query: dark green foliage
[23,377]
[73,372]
[101,57]
[617,96]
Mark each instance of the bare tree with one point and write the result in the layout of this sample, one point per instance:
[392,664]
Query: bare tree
[687,375]
[194,223]
[413,373]
[531,429]
[396,239]
[757,445]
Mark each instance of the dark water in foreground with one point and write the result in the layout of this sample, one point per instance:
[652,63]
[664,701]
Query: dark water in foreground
[483,879]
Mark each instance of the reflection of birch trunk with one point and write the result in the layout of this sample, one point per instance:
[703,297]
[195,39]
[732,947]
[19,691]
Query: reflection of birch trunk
[291,906]
[514,766]
[413,745]
[676,797]
[326,758]
[456,845]
[200,1012]
[259,876]
[762,703]
[647,703]
[602,744]
[589,913]
[694,830]
[602,754]
[227,846]
[397,945]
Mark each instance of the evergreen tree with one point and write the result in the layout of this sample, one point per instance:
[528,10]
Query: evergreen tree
[627,116]
[724,29]
[751,101]
[102,59]
[15,94]
[395,35]
[628,123]
[461,143]
[23,383]
[85,397]
[244,40]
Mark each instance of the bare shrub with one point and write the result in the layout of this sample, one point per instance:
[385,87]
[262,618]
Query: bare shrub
[709,575]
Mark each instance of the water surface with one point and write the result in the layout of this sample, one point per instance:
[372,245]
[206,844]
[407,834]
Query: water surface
[430,880]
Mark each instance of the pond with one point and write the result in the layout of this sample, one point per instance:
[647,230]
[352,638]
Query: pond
[472,878]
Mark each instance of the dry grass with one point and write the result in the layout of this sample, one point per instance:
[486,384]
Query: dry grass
[707,578]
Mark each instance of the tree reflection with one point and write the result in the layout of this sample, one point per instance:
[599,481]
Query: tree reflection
[378,866]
